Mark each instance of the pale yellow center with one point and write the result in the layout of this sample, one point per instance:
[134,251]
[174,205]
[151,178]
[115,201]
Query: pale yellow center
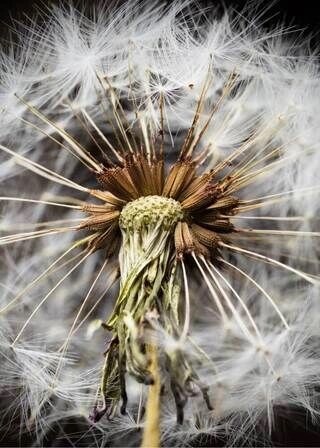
[150,211]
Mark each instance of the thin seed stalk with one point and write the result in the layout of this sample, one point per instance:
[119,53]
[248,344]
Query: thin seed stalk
[151,434]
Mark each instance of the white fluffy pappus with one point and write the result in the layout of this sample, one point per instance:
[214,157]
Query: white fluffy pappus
[78,88]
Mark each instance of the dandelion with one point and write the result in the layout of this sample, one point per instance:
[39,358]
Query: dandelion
[159,222]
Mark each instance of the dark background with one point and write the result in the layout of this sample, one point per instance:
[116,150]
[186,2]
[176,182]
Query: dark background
[303,13]
[292,428]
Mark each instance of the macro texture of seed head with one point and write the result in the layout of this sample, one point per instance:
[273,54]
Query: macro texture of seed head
[159,226]
[148,211]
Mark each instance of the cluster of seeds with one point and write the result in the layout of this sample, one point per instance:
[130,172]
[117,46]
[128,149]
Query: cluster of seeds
[150,211]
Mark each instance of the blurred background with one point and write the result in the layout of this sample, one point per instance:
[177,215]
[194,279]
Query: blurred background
[292,428]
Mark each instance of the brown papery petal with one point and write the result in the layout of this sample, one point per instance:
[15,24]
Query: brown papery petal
[118,182]
[205,236]
[180,176]
[100,221]
[183,239]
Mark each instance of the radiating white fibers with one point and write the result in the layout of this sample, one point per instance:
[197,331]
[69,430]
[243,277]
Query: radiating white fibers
[72,83]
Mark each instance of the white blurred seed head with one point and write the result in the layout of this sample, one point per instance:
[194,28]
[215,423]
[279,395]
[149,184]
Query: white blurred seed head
[149,53]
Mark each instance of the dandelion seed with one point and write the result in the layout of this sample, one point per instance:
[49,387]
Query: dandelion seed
[128,187]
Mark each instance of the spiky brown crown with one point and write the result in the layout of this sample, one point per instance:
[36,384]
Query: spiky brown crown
[205,203]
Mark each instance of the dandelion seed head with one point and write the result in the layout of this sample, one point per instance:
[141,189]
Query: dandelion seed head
[159,222]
